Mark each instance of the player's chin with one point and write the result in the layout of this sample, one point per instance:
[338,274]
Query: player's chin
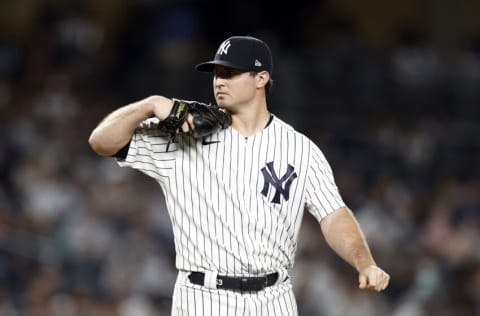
[221,102]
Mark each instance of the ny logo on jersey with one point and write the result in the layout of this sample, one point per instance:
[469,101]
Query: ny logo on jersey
[282,185]
[223,49]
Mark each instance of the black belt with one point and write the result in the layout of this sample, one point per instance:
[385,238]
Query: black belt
[244,284]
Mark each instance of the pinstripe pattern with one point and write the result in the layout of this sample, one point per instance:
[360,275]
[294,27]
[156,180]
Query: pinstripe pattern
[222,221]
[191,299]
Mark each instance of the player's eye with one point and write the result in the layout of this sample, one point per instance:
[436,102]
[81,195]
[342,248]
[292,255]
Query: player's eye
[227,73]
[224,74]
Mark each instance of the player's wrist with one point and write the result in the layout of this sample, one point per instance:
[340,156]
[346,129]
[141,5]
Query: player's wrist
[158,106]
[364,264]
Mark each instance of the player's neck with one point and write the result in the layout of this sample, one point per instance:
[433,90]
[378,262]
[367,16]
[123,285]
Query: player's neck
[251,121]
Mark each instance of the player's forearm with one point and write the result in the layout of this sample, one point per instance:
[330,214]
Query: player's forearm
[117,129]
[344,236]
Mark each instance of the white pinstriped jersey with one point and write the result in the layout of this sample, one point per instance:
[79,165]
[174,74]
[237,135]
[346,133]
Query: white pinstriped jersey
[236,203]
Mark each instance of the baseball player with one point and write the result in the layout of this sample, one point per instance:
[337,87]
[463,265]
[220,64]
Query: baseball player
[237,180]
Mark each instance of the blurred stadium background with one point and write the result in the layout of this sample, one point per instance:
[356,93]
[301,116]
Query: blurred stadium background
[390,90]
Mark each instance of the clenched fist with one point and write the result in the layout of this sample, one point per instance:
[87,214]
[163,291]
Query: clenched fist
[372,277]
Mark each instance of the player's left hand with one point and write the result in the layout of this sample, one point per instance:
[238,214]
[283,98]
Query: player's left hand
[194,118]
[372,277]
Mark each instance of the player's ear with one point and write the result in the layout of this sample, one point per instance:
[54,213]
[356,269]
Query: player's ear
[263,77]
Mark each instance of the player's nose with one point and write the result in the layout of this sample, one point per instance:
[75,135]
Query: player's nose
[218,84]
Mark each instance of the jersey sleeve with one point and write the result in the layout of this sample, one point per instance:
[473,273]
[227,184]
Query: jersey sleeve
[150,151]
[322,195]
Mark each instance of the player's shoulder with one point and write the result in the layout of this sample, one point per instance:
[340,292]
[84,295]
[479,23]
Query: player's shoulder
[290,129]
[299,136]
[279,123]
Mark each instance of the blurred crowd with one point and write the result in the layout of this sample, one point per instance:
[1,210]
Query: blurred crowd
[81,236]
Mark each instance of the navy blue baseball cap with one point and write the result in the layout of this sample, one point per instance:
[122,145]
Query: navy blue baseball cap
[243,53]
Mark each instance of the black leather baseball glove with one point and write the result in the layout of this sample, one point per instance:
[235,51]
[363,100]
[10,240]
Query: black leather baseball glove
[207,119]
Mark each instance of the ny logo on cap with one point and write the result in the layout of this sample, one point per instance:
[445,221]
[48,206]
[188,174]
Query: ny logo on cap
[223,49]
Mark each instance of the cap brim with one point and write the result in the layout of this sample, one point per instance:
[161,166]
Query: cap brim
[209,65]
